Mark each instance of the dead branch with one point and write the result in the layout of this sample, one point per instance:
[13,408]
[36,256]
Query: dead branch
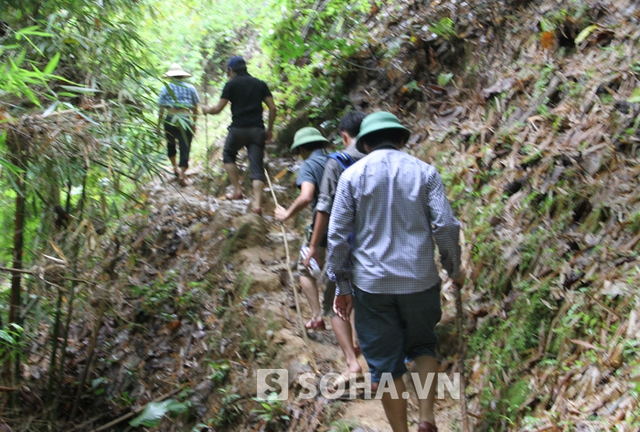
[12,270]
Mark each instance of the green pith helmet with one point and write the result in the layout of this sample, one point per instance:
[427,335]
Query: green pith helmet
[307,135]
[379,121]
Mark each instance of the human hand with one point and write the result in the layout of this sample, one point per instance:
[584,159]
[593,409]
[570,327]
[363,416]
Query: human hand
[269,137]
[280,213]
[342,305]
[313,253]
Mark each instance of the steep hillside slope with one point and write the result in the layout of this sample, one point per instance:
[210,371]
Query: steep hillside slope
[529,109]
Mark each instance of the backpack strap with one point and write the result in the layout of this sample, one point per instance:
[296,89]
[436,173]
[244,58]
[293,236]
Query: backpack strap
[345,160]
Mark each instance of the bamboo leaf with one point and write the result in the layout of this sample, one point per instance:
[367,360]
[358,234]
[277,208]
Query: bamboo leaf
[58,251]
[51,66]
[77,89]
[11,167]
[7,337]
[51,109]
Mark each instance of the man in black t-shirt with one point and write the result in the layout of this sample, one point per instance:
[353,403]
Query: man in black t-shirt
[246,94]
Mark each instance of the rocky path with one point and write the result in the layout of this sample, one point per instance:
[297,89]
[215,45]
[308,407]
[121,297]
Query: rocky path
[258,257]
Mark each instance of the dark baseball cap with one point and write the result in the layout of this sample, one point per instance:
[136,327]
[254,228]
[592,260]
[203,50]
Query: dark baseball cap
[236,63]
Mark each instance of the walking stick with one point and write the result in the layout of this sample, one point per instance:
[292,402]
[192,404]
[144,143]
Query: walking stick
[463,381]
[206,122]
[295,289]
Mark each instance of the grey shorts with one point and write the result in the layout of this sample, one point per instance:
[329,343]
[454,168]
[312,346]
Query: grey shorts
[329,285]
[254,140]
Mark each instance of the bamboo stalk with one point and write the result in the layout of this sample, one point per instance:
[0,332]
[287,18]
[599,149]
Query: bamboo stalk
[90,357]
[295,289]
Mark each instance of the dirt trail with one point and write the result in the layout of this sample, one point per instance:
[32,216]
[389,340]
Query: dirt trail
[271,300]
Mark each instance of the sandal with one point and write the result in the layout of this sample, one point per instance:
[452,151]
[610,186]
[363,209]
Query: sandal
[234,196]
[345,380]
[315,325]
[183,182]
[425,426]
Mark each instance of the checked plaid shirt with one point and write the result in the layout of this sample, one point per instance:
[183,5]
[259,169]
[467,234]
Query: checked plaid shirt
[184,95]
[396,206]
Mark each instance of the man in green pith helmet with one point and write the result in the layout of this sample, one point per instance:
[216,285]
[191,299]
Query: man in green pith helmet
[348,129]
[390,210]
[309,143]
[179,100]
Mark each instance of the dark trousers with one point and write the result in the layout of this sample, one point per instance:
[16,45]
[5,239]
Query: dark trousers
[254,140]
[394,328]
[179,129]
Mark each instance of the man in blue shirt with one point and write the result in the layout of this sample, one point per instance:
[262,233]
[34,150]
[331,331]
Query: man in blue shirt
[179,100]
[309,143]
[246,94]
[395,207]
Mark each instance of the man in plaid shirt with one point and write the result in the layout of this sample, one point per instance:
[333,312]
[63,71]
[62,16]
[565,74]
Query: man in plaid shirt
[179,101]
[394,206]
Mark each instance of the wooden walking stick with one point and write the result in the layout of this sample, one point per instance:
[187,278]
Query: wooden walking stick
[463,381]
[295,289]
[204,116]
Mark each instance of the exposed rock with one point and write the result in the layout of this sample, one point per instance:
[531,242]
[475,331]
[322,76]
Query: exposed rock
[262,280]
[250,230]
[295,369]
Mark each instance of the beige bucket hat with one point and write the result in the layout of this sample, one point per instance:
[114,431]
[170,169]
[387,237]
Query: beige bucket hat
[176,71]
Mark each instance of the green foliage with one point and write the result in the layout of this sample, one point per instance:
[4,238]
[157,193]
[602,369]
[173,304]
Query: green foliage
[156,296]
[154,411]
[508,344]
[343,426]
[253,343]
[220,371]
[444,78]
[11,343]
[445,28]
[273,412]
[18,73]
[308,43]
[228,412]
[635,96]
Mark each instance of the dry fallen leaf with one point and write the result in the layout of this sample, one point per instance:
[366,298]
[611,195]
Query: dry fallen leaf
[281,174]
[547,39]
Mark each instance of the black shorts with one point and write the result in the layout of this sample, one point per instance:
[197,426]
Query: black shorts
[253,139]
[395,328]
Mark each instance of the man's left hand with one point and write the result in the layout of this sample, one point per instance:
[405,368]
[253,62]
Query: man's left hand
[342,305]
[313,253]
